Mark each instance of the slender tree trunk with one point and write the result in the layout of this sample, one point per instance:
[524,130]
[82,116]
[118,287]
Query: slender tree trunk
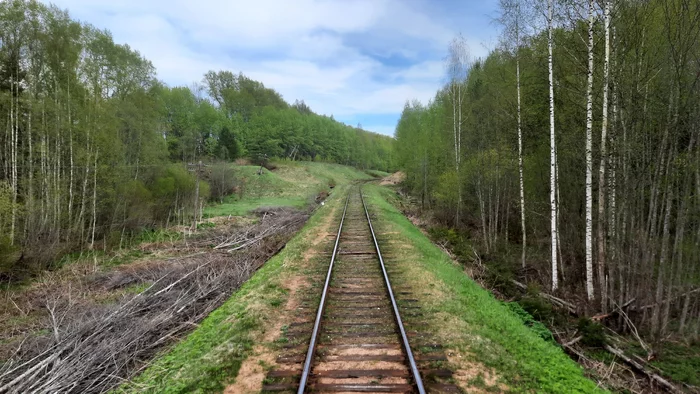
[30,186]
[83,198]
[553,149]
[589,159]
[561,270]
[663,255]
[94,202]
[602,279]
[70,180]
[13,158]
[520,153]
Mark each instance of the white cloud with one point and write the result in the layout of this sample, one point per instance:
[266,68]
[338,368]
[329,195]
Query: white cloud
[335,54]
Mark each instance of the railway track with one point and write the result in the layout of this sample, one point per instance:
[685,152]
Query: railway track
[357,341]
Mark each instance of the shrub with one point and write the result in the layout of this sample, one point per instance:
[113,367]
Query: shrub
[9,255]
[538,307]
[535,326]
[222,181]
[592,333]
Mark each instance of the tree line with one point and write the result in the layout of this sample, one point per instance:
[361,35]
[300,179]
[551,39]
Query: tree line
[575,142]
[93,144]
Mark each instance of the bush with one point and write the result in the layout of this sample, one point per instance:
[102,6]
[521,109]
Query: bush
[138,202]
[538,307]
[592,333]
[9,255]
[222,181]
[527,319]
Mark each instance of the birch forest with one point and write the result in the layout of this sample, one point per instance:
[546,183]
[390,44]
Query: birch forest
[94,147]
[569,157]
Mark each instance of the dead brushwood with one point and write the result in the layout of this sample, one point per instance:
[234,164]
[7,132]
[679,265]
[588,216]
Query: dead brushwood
[93,347]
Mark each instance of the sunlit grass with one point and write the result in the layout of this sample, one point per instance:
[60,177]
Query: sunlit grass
[242,207]
[291,184]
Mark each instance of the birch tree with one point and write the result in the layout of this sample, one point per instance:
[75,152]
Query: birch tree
[512,19]
[589,158]
[457,69]
[602,223]
[553,185]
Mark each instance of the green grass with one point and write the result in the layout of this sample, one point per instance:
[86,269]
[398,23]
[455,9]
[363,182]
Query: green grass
[378,173]
[235,207]
[496,336]
[292,184]
[210,357]
[680,361]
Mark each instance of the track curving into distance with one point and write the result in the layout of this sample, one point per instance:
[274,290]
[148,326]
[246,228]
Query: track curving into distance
[358,342]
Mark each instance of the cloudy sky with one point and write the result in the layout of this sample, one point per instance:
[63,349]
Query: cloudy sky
[359,60]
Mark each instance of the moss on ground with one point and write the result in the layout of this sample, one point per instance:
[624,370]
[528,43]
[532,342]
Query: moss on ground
[489,330]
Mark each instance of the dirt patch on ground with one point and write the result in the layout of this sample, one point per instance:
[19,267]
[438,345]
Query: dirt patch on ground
[473,377]
[393,179]
[252,373]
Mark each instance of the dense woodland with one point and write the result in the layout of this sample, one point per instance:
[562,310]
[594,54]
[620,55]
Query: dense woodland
[94,146]
[570,155]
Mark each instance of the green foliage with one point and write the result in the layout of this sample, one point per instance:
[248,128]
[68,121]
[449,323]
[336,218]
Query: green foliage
[223,181]
[9,254]
[592,332]
[681,362]
[518,308]
[476,186]
[535,305]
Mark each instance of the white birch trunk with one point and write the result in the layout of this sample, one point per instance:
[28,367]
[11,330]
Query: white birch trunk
[520,138]
[70,180]
[602,280]
[94,202]
[589,159]
[13,158]
[553,149]
[30,193]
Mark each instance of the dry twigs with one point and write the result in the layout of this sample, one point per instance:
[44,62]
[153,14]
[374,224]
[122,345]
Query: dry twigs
[92,350]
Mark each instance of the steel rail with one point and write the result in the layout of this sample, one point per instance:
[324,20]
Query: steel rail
[399,322]
[321,306]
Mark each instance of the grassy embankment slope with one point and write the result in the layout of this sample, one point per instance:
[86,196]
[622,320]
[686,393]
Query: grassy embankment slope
[211,356]
[474,327]
[292,184]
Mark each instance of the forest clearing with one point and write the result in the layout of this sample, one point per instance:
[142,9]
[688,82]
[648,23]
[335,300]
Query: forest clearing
[519,213]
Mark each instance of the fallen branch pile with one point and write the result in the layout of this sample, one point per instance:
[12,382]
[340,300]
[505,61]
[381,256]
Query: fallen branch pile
[93,350]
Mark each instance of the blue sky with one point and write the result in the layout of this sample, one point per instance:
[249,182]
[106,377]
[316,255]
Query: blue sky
[358,60]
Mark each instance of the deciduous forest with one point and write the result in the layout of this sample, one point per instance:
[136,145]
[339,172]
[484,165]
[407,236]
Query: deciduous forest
[94,146]
[569,156]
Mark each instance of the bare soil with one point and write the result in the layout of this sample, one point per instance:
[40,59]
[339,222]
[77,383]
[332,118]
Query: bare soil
[393,179]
